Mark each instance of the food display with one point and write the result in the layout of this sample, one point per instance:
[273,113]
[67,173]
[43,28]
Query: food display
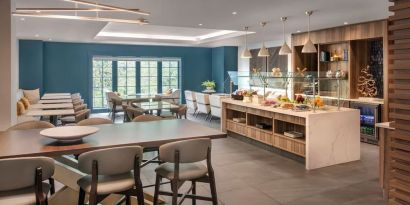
[289,106]
[302,108]
[318,102]
[269,103]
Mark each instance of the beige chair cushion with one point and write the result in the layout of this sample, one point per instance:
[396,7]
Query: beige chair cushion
[187,171]
[108,184]
[25,101]
[24,196]
[147,118]
[68,119]
[94,121]
[31,125]
[32,95]
[193,150]
[20,108]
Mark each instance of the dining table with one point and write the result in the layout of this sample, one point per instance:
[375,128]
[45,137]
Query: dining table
[51,106]
[55,97]
[30,143]
[155,105]
[57,94]
[53,114]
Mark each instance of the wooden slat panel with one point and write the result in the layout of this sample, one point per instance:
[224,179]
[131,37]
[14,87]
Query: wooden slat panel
[404,5]
[399,27]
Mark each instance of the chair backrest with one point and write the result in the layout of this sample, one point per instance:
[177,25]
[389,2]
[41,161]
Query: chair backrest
[202,101]
[190,100]
[18,173]
[113,98]
[108,160]
[190,151]
[215,102]
[133,112]
[94,121]
[82,115]
[147,118]
[80,107]
[31,125]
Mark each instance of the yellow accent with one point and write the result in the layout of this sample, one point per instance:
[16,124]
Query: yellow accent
[20,108]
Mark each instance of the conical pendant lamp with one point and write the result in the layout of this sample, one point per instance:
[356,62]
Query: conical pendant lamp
[284,50]
[246,53]
[309,47]
[263,52]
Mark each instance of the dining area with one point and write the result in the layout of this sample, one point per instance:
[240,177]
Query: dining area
[76,159]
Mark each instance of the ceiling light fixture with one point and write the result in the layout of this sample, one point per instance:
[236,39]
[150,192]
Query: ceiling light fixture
[200,24]
[135,11]
[263,52]
[309,47]
[36,35]
[298,31]
[234,13]
[345,23]
[284,50]
[70,10]
[140,21]
[246,52]
[164,37]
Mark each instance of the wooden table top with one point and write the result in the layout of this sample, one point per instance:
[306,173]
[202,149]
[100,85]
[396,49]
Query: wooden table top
[52,106]
[50,112]
[55,101]
[57,94]
[55,97]
[23,143]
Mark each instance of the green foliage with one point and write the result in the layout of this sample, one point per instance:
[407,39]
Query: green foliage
[209,84]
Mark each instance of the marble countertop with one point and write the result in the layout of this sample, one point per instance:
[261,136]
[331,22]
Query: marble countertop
[331,109]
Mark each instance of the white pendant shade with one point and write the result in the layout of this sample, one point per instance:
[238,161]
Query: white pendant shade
[263,52]
[285,50]
[309,47]
[246,53]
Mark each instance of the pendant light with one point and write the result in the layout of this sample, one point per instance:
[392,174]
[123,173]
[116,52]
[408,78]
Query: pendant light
[246,53]
[284,50]
[309,47]
[263,52]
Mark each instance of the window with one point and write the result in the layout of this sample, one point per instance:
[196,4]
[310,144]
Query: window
[170,74]
[149,77]
[126,77]
[102,82]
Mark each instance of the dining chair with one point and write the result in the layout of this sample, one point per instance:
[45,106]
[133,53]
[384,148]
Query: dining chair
[133,112]
[107,175]
[78,116]
[147,118]
[80,107]
[203,104]
[183,162]
[94,121]
[216,106]
[78,102]
[116,103]
[180,111]
[190,100]
[31,125]
[21,180]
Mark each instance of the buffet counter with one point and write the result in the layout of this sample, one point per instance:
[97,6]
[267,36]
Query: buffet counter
[329,136]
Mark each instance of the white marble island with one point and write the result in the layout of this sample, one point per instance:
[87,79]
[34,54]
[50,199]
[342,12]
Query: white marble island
[330,137]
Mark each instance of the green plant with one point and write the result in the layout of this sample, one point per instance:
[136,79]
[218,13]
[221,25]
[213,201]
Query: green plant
[209,84]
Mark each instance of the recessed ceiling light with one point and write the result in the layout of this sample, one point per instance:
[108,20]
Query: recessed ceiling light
[200,24]
[36,35]
[345,23]
[298,31]
[50,39]
[234,13]
[38,11]
[23,19]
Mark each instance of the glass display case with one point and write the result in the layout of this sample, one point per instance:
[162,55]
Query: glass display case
[310,84]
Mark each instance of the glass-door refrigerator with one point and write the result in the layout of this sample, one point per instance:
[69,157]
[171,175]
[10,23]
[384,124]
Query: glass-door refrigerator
[370,114]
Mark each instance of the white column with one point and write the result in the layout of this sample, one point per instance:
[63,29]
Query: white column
[8,65]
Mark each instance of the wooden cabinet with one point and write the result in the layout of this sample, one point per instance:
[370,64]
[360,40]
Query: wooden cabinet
[294,146]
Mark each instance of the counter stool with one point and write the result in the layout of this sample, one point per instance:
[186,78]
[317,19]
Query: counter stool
[21,180]
[183,163]
[107,175]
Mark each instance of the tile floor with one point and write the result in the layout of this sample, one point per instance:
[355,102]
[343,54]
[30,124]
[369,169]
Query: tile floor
[249,175]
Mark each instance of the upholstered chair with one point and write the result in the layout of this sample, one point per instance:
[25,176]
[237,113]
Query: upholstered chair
[146,118]
[80,107]
[78,116]
[106,174]
[133,112]
[202,101]
[21,180]
[31,125]
[94,121]
[180,111]
[183,162]
[216,106]
[190,100]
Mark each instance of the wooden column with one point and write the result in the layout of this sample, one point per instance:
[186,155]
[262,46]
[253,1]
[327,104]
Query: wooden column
[8,66]
[398,159]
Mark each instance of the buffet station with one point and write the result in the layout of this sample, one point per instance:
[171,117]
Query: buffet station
[301,127]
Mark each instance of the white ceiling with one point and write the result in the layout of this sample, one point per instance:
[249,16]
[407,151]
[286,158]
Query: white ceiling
[213,14]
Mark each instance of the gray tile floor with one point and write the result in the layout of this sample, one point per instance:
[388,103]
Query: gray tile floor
[249,175]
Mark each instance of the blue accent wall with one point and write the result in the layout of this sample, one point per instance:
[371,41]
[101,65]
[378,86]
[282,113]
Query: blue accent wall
[224,59]
[66,67]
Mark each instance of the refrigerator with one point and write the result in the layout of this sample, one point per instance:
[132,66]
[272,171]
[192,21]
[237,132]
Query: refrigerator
[370,114]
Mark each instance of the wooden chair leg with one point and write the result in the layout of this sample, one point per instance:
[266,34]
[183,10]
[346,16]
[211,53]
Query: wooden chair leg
[128,200]
[213,189]
[194,192]
[174,188]
[52,186]
[156,192]
[81,197]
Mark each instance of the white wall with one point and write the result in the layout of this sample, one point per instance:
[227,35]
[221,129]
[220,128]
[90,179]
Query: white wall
[8,65]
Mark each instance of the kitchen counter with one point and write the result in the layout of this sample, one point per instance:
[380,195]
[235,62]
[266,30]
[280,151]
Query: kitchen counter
[330,136]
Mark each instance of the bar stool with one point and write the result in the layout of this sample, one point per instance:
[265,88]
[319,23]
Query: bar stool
[183,163]
[21,180]
[106,174]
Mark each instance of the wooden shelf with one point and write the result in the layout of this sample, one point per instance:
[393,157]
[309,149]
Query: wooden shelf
[300,140]
[270,131]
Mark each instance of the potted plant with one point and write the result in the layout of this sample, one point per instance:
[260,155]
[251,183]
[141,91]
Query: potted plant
[209,85]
